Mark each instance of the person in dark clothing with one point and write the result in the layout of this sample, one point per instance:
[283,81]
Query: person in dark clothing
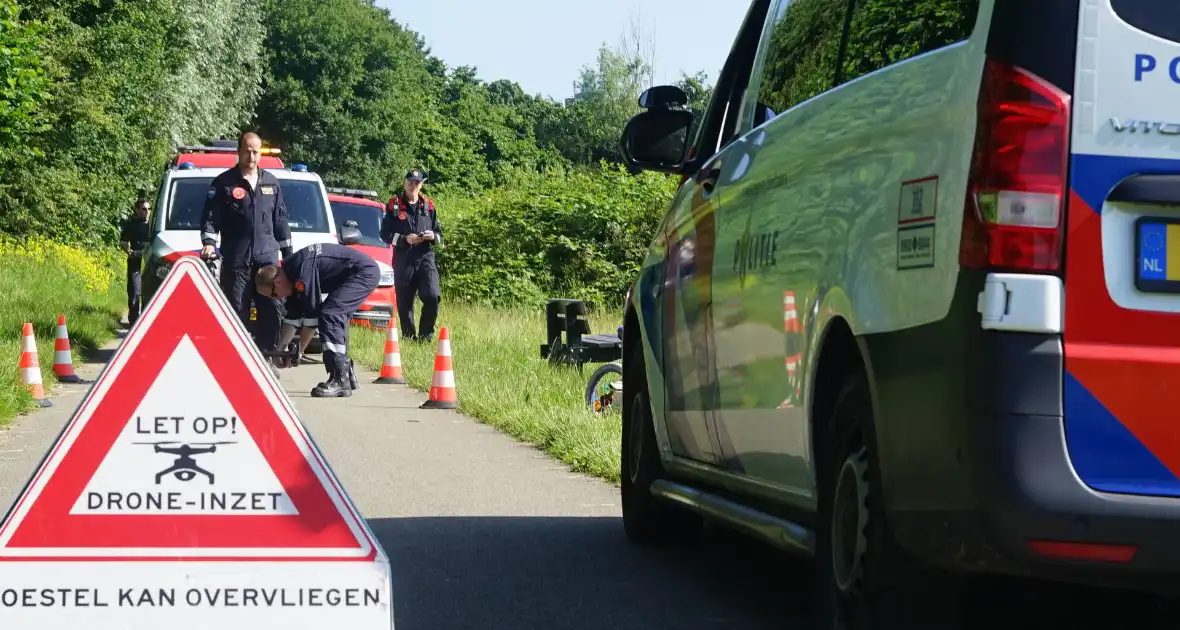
[245,205]
[133,238]
[348,277]
[411,226]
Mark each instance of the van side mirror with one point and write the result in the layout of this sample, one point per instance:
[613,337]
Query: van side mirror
[350,236]
[656,140]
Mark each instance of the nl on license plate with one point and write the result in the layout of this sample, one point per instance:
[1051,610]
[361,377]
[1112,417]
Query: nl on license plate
[1157,255]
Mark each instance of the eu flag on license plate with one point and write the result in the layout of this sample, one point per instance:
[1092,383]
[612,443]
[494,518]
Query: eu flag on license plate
[1159,251]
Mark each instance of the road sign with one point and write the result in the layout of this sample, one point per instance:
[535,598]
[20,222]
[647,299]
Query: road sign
[186,493]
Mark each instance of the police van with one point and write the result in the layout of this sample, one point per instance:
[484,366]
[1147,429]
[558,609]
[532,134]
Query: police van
[175,221]
[915,309]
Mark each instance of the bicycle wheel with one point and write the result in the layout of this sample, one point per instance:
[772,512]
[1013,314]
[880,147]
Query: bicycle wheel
[601,388]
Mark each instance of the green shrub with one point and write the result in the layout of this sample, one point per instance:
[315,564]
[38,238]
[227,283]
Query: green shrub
[581,235]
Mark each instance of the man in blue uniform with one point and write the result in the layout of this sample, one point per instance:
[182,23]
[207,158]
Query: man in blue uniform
[411,226]
[245,205]
[133,238]
[347,276]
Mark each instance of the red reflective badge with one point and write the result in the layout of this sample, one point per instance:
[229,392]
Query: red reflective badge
[299,286]
[402,215]
[239,193]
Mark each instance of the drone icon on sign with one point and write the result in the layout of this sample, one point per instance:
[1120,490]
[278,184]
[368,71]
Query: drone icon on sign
[185,468]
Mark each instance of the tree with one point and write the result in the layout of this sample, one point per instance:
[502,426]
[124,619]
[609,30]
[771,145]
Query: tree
[347,91]
[699,91]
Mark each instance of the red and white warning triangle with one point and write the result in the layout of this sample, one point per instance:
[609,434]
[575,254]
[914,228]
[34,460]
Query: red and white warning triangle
[186,448]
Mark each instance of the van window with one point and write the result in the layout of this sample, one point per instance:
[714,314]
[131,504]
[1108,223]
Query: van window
[1158,17]
[305,205]
[885,32]
[801,52]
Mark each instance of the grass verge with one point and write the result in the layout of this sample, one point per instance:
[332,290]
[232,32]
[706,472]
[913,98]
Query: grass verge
[41,280]
[502,381]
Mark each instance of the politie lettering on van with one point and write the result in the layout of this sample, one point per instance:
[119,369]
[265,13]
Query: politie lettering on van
[915,308]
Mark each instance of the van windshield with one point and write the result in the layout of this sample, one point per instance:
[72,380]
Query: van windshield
[1158,17]
[368,220]
[305,204]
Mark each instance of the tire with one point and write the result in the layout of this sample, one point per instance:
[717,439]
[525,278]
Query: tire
[596,380]
[646,519]
[864,579]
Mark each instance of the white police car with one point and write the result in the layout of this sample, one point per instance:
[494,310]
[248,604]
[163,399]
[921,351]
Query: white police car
[916,305]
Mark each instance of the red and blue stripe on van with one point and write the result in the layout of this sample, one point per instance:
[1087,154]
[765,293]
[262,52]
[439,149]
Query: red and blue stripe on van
[1122,381]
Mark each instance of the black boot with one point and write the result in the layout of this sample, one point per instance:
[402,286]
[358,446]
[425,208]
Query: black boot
[329,367]
[352,374]
[338,385]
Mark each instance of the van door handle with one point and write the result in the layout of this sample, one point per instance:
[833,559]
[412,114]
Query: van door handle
[1147,189]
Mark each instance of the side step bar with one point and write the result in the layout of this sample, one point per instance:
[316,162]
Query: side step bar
[778,532]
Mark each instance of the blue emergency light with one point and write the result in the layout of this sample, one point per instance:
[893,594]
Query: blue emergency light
[299,168]
[184,166]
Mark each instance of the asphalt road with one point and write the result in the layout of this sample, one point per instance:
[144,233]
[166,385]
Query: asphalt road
[486,533]
[482,531]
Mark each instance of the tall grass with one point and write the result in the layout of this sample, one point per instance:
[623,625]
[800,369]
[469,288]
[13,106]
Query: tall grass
[40,280]
[502,381]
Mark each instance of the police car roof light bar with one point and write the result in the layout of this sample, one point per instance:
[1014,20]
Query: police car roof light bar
[353,192]
[205,149]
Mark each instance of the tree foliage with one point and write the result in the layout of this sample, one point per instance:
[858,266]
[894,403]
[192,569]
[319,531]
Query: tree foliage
[96,96]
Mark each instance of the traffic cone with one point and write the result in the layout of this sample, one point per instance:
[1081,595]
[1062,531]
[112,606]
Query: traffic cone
[442,389]
[391,368]
[63,359]
[30,367]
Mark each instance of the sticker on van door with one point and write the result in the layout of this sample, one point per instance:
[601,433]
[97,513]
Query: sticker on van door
[915,246]
[918,200]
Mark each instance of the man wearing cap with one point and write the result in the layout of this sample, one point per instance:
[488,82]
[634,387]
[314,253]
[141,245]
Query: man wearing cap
[411,226]
[245,205]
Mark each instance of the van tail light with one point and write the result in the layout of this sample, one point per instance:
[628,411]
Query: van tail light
[1017,187]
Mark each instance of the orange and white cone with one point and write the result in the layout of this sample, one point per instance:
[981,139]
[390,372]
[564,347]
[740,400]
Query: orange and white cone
[391,367]
[63,358]
[442,388]
[790,313]
[30,367]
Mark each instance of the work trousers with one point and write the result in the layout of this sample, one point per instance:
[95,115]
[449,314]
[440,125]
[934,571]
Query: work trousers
[339,307]
[420,279]
[134,289]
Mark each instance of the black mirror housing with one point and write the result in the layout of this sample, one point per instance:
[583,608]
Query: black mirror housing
[350,236]
[656,140]
[663,97]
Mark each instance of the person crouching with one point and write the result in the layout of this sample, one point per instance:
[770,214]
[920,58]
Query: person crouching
[347,277]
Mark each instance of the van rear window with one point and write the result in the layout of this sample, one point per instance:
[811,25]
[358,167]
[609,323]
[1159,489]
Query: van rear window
[1158,17]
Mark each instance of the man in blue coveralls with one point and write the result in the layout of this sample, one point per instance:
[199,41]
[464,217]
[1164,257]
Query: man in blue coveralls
[245,205]
[347,276]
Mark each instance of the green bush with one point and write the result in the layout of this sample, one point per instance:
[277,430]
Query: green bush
[582,234]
